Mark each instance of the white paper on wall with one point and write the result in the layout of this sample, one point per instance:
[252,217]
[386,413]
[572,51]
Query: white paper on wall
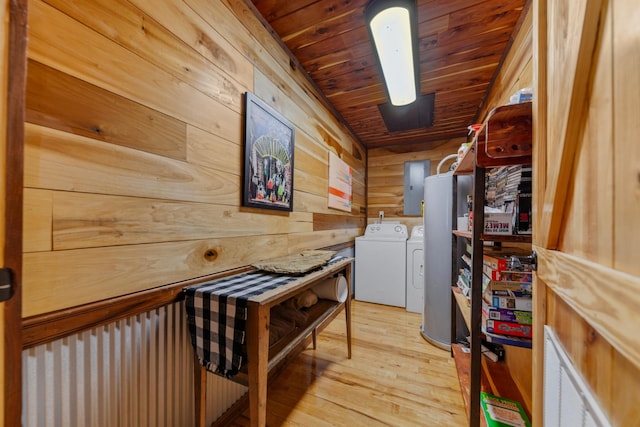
[340,176]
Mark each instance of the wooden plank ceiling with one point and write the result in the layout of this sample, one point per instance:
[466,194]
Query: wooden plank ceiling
[461,43]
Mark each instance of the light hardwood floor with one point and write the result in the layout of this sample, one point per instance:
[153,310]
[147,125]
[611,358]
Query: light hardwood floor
[394,378]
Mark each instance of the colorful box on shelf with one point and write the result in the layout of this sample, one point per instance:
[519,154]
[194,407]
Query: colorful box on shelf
[506,339]
[507,275]
[512,303]
[507,315]
[502,412]
[498,223]
[498,287]
[509,328]
[499,260]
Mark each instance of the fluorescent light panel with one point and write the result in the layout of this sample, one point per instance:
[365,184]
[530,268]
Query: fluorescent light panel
[391,30]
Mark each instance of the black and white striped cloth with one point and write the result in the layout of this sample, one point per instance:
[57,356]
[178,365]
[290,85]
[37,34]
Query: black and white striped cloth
[217,315]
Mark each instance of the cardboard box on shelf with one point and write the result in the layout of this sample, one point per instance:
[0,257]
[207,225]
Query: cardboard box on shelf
[512,303]
[507,315]
[509,328]
[500,411]
[498,223]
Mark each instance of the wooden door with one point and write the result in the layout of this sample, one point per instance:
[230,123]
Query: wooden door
[14,17]
[587,195]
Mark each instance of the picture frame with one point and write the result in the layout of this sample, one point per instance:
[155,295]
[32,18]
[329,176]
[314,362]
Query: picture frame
[269,141]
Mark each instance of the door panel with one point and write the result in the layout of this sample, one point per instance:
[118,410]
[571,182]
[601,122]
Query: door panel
[626,149]
[11,157]
[587,190]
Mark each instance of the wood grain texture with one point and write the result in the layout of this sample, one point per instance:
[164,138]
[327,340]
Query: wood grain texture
[577,27]
[463,305]
[61,161]
[4,70]
[590,207]
[59,41]
[335,221]
[515,71]
[13,74]
[321,239]
[519,365]
[209,150]
[59,101]
[588,297]
[611,377]
[460,45]
[539,166]
[222,80]
[43,328]
[385,175]
[278,63]
[626,152]
[394,377]
[140,177]
[82,220]
[38,220]
[606,298]
[63,279]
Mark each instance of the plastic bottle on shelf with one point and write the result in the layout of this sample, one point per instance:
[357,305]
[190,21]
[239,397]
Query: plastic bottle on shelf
[470,211]
[461,151]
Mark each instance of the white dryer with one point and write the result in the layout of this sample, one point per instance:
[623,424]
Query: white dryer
[415,270]
[380,264]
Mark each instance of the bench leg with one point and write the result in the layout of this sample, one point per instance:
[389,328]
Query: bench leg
[347,315]
[258,362]
[314,337]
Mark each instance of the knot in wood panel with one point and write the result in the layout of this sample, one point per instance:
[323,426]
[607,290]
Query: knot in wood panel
[211,255]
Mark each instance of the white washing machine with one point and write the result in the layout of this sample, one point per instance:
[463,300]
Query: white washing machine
[415,270]
[380,264]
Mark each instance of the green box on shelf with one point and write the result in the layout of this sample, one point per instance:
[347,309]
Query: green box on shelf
[503,412]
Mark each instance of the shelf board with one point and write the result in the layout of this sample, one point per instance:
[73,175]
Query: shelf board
[506,136]
[461,233]
[465,167]
[463,304]
[317,313]
[521,238]
[463,365]
[501,382]
[496,379]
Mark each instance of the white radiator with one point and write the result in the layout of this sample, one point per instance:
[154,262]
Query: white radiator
[568,400]
[134,372]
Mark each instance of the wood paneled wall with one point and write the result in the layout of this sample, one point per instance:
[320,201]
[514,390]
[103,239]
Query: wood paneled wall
[134,149]
[385,176]
[516,71]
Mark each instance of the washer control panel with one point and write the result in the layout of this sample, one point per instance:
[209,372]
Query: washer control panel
[387,230]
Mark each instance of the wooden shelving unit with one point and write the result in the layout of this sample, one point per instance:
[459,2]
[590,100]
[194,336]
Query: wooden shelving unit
[504,139]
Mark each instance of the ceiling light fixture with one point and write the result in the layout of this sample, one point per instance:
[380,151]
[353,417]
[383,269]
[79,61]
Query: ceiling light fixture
[392,26]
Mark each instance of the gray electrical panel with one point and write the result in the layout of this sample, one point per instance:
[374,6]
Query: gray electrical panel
[414,174]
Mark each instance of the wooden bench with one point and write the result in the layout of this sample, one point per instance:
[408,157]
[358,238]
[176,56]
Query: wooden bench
[260,357]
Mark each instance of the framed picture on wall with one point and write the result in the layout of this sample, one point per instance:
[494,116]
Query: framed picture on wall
[268,157]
